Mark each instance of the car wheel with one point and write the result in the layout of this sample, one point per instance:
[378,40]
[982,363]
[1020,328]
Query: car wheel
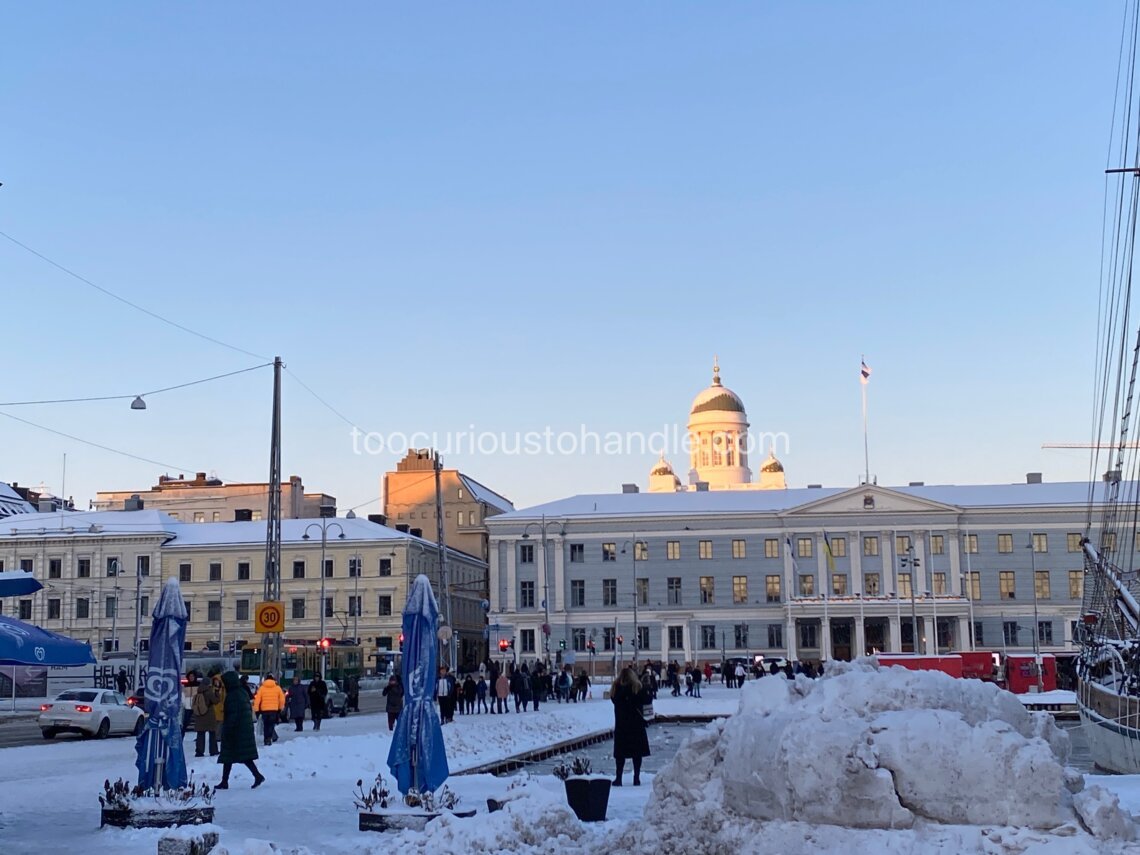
[49,733]
[139,724]
[104,729]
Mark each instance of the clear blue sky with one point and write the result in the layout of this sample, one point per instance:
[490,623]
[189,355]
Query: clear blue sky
[516,215]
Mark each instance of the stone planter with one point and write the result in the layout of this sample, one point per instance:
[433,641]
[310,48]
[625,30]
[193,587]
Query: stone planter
[399,820]
[156,818]
[589,796]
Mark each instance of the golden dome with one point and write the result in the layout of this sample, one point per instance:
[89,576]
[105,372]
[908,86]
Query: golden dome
[717,398]
[771,464]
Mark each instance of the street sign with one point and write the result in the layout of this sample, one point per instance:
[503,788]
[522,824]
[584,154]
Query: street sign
[269,617]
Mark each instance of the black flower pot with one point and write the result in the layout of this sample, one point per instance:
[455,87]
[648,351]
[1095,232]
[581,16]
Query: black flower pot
[165,818]
[588,797]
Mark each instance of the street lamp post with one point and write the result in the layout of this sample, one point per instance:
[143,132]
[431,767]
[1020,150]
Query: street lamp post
[1036,625]
[633,546]
[543,525]
[966,581]
[912,564]
[356,598]
[324,525]
[115,610]
[138,622]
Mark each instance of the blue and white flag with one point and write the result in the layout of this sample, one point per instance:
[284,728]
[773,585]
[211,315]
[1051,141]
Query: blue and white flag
[864,373]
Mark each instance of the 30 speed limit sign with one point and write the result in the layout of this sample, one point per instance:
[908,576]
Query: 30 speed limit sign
[269,617]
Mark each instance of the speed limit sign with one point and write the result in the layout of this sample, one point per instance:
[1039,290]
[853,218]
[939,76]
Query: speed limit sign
[269,617]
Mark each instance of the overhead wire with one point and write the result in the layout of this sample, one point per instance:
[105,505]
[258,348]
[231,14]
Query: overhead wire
[139,395]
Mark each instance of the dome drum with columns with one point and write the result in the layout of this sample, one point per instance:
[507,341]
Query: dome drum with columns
[718,443]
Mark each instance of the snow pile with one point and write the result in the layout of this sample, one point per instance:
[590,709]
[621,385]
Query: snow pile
[872,749]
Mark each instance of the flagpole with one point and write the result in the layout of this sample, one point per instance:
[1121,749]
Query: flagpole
[866,453]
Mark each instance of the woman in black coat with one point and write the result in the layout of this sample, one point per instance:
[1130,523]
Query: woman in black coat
[630,739]
[238,742]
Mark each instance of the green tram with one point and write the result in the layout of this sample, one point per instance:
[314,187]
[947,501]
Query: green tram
[303,658]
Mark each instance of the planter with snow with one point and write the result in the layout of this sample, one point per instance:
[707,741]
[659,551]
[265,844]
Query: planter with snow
[136,817]
[397,819]
[380,811]
[588,796]
[124,806]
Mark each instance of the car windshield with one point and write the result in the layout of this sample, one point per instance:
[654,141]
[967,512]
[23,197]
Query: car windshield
[76,696]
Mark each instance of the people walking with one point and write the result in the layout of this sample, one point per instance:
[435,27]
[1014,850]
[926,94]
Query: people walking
[469,692]
[238,742]
[537,686]
[445,694]
[697,675]
[740,674]
[296,702]
[205,720]
[393,700]
[121,681]
[318,700]
[352,694]
[268,703]
[481,694]
[502,689]
[583,688]
[630,739]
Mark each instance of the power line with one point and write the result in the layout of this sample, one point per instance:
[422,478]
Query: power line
[329,406]
[141,395]
[127,302]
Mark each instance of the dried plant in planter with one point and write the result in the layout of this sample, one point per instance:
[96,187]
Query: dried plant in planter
[575,767]
[378,796]
[444,800]
[120,795]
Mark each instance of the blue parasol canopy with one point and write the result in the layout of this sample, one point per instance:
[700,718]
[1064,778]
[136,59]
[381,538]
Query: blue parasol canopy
[18,583]
[161,760]
[25,644]
[417,757]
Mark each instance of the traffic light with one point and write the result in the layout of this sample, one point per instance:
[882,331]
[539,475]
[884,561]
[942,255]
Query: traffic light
[324,643]
[512,643]
[620,640]
[562,644]
[401,642]
[502,645]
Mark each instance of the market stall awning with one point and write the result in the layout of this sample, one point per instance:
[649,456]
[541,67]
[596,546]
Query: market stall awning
[18,583]
[25,644]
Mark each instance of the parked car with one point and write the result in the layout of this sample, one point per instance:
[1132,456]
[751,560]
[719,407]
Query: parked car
[91,712]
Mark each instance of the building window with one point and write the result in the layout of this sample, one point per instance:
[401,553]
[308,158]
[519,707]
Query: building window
[704,550]
[673,590]
[609,592]
[641,551]
[385,566]
[298,569]
[807,636]
[937,544]
[676,637]
[609,638]
[708,591]
[740,589]
[739,549]
[354,605]
[353,567]
[807,585]
[902,544]
[526,553]
[871,584]
[1005,543]
[1040,542]
[708,636]
[256,516]
[1073,541]
[185,572]
[142,565]
[82,608]
[979,634]
[673,550]
[1009,632]
[55,568]
[243,571]
[329,611]
[526,640]
[838,584]
[970,544]
[870,546]
[1008,586]
[189,614]
[53,609]
[740,636]
[578,593]
[144,606]
[215,572]
[109,609]
[904,586]
[1076,584]
[460,517]
[83,568]
[838,547]
[642,589]
[772,588]
[803,547]
[328,568]
[112,566]
[526,595]
[609,552]
[974,585]
[1044,632]
[199,516]
[771,547]
[578,638]
[214,611]
[1110,541]
[775,635]
[384,605]
[577,553]
[241,610]
[298,608]
[217,516]
[1041,584]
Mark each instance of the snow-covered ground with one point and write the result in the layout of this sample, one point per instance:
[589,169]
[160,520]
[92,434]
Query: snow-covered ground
[922,762]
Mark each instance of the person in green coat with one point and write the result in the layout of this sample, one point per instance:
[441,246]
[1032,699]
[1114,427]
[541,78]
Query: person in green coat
[238,742]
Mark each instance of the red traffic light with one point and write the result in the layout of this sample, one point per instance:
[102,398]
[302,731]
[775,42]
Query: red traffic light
[324,644]
[621,640]
[502,644]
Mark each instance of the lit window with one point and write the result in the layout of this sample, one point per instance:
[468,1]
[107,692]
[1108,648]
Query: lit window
[705,549]
[803,547]
[771,547]
[1076,584]
[673,550]
[708,590]
[772,588]
[871,584]
[1008,586]
[870,546]
[1005,543]
[740,589]
[838,585]
[739,550]
[807,585]
[1041,584]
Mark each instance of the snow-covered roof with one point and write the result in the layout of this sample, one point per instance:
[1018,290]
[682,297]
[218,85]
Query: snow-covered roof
[12,503]
[481,493]
[965,496]
[89,523]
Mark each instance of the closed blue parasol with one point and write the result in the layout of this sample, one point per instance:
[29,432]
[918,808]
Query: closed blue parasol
[24,644]
[18,583]
[161,761]
[417,757]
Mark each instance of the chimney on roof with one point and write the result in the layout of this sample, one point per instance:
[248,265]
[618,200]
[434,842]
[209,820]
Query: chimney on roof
[416,532]
[1032,477]
[815,486]
[402,527]
[702,486]
[46,506]
[917,484]
[328,511]
[243,515]
[379,519]
[629,488]
[134,503]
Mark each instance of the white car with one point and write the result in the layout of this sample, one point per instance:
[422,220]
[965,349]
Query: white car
[90,712]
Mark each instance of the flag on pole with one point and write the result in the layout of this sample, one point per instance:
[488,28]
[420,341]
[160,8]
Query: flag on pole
[864,373]
[827,551]
[791,552]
